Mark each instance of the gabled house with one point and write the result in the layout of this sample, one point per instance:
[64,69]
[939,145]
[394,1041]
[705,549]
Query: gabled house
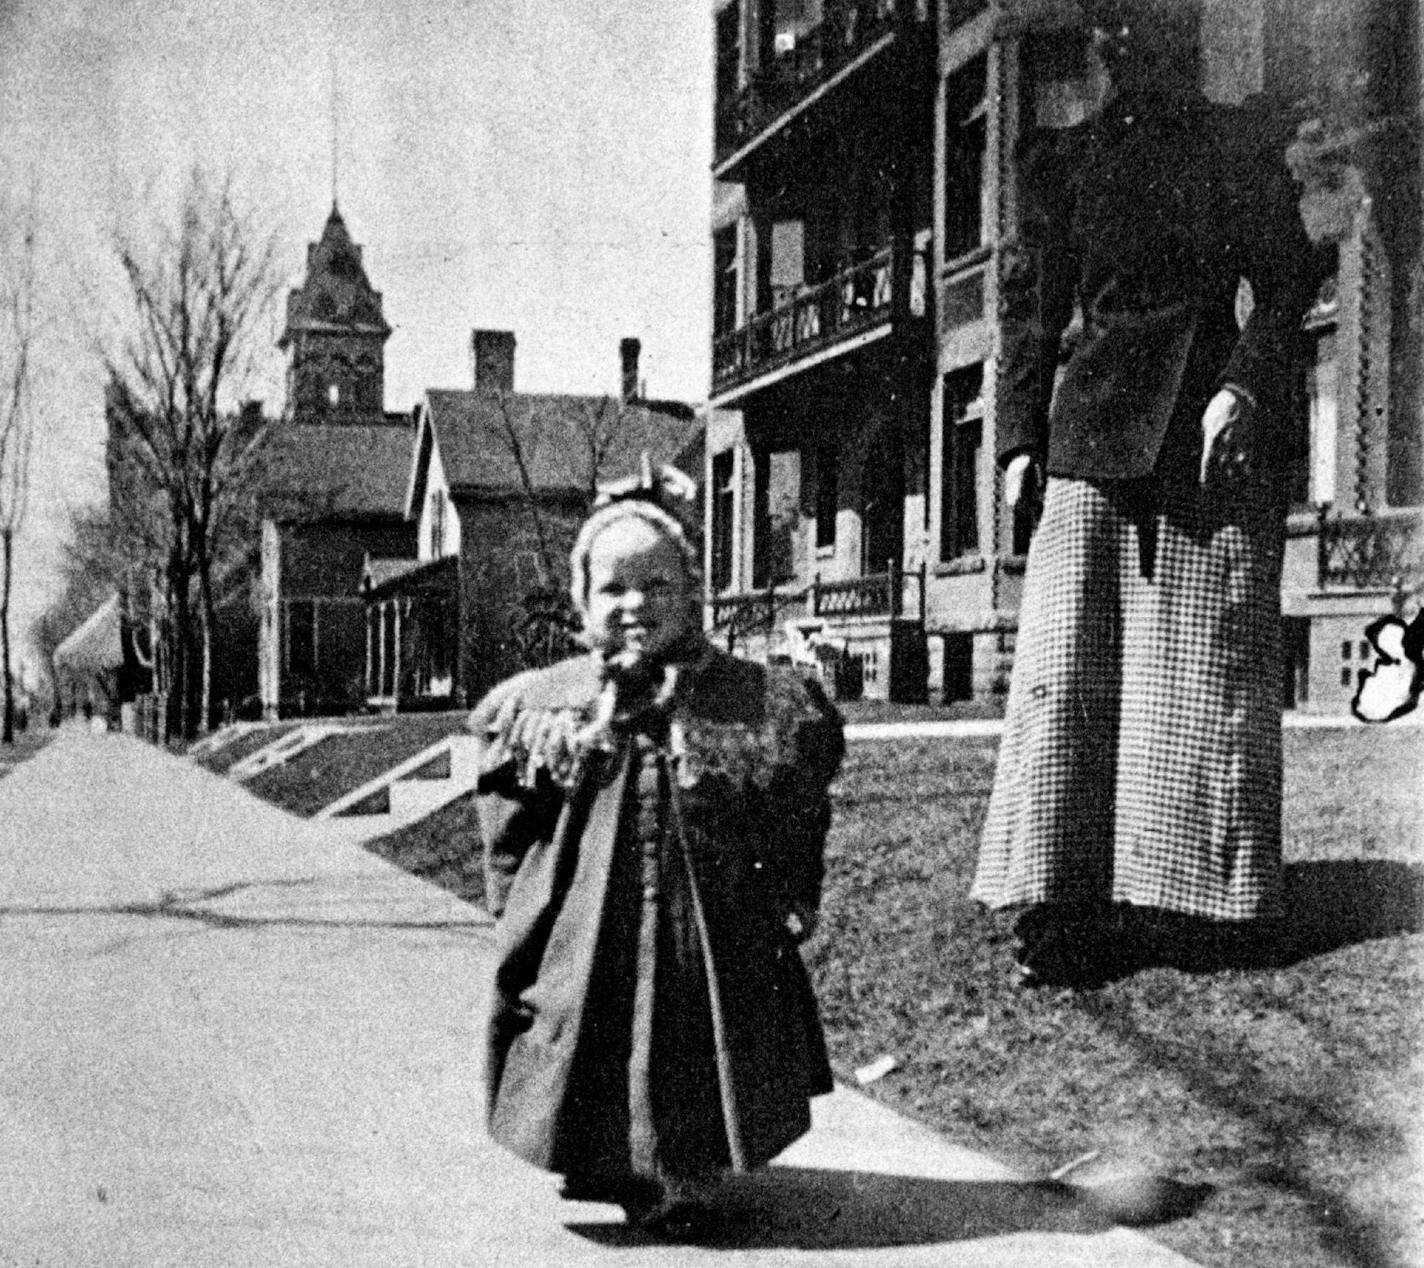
[498,485]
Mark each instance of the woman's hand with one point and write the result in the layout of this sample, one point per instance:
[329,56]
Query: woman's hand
[1020,478]
[1224,450]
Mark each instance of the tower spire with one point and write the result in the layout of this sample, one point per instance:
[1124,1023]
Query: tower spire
[335,128]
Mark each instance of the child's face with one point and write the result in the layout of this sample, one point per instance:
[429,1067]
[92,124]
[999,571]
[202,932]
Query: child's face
[640,598]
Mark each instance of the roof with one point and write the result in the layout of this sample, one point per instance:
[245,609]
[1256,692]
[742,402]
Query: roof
[379,571]
[383,577]
[96,644]
[473,432]
[337,296]
[337,470]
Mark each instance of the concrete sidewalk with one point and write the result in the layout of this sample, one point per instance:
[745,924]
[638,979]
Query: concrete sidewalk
[232,1039]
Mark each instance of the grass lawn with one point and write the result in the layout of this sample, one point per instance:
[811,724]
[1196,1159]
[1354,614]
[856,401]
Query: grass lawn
[319,775]
[443,848]
[1291,1092]
[855,711]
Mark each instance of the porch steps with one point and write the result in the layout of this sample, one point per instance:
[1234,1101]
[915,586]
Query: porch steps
[410,791]
[214,741]
[282,750]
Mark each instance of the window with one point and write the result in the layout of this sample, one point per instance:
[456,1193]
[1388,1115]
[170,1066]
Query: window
[776,479]
[963,436]
[827,491]
[437,524]
[788,260]
[792,20]
[301,638]
[724,281]
[1322,394]
[965,136]
[1295,645]
[723,503]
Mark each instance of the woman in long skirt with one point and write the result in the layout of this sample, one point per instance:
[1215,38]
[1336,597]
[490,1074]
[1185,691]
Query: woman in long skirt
[1140,771]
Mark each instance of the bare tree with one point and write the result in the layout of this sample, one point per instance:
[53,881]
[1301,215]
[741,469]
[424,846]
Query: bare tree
[522,441]
[197,293]
[601,426]
[563,450]
[18,334]
[601,430]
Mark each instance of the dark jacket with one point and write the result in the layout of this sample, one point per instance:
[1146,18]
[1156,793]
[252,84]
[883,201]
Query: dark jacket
[1148,216]
[761,747]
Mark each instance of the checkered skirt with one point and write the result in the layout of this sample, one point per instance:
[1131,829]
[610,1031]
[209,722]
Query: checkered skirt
[1141,754]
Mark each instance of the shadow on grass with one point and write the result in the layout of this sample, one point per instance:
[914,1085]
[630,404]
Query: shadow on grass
[1334,905]
[1328,906]
[1287,1122]
[798,1208]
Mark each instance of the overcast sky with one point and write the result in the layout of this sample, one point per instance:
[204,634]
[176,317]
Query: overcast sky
[534,165]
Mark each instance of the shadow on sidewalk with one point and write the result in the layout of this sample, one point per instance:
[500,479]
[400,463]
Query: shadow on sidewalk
[191,907]
[797,1208]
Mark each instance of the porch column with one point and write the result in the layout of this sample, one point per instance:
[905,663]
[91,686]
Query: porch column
[396,665]
[381,648]
[370,650]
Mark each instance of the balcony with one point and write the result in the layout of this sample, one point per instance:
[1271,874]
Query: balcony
[854,302]
[851,32]
[1383,551]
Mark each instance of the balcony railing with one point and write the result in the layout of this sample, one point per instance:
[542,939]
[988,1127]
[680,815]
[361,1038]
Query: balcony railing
[1382,551]
[854,300]
[892,593]
[848,28]
[878,594]
[739,617]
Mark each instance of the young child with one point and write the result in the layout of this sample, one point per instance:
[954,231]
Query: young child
[653,816]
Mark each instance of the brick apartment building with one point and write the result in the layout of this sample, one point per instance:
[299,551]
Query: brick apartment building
[864,181]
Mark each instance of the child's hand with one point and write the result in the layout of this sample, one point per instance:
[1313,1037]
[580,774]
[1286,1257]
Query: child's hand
[544,739]
[801,923]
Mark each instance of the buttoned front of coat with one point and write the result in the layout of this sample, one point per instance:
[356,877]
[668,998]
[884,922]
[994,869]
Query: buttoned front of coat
[603,1000]
[1145,219]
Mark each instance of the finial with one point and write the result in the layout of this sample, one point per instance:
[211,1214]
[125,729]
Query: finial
[335,131]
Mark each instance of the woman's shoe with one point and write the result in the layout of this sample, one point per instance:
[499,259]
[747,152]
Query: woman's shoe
[677,1219]
[1058,953]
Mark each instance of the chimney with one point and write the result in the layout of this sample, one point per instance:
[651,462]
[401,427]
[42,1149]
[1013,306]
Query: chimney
[628,350]
[492,360]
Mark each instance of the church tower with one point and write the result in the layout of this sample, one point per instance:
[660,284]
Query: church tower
[335,336]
